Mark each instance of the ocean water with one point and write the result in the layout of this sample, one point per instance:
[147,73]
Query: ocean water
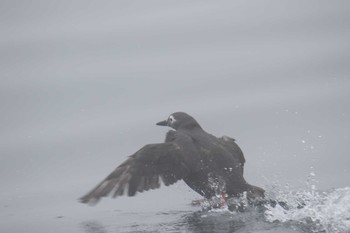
[82,85]
[307,211]
[303,211]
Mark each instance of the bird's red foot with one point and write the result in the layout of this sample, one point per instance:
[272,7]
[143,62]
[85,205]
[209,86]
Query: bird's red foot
[223,200]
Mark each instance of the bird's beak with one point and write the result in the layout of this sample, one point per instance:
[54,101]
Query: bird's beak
[163,123]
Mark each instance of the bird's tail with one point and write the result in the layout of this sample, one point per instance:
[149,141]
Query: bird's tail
[254,192]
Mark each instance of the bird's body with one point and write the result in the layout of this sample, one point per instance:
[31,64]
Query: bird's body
[209,165]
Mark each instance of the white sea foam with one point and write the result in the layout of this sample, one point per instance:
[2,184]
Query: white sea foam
[320,211]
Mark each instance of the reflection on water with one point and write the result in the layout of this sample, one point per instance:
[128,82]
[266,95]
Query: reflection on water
[195,222]
[93,227]
[216,222]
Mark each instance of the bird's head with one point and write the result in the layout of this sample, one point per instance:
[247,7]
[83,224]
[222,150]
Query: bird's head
[180,120]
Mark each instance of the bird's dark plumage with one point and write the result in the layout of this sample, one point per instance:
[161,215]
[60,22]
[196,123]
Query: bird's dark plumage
[209,165]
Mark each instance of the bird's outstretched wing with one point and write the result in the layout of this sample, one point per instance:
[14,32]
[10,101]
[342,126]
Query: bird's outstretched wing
[235,150]
[142,171]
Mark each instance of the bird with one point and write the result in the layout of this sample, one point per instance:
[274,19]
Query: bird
[209,165]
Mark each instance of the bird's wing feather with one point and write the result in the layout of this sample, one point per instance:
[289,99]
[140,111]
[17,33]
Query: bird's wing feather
[142,171]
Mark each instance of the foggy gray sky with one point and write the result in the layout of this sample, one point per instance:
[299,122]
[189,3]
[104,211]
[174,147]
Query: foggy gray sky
[83,84]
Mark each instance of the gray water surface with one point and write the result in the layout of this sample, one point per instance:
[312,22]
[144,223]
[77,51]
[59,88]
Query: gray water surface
[83,84]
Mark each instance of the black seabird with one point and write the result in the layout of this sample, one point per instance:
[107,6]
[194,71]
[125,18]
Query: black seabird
[209,165]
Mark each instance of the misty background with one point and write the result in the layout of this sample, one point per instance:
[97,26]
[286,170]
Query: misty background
[83,84]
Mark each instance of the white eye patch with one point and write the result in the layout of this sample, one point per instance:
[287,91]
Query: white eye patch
[171,119]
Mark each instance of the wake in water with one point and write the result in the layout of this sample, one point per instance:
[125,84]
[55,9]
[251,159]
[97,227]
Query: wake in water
[302,211]
[315,210]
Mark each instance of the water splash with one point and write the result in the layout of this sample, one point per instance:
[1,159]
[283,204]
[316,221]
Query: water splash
[307,210]
[315,210]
